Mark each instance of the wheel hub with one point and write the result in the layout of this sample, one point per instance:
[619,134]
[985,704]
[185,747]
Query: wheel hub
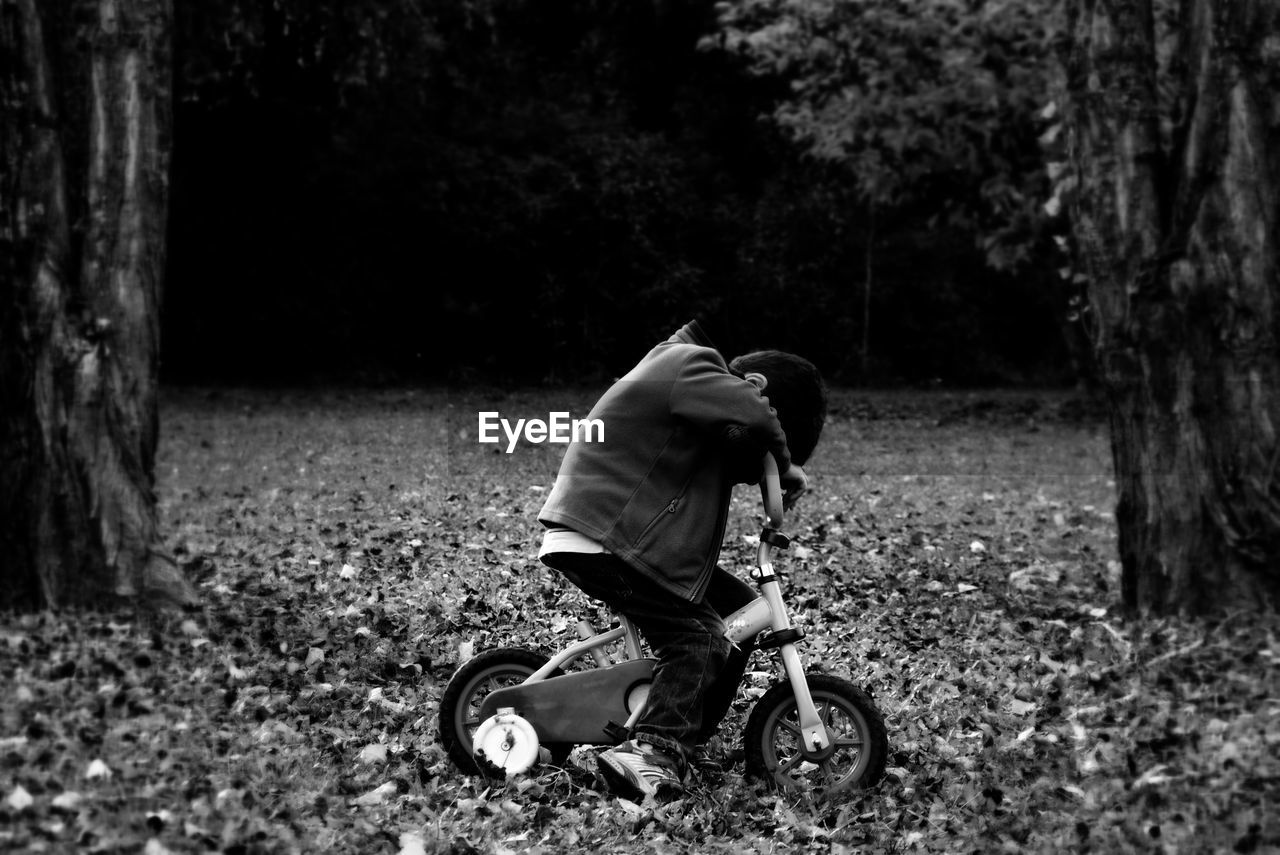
[818,755]
[507,741]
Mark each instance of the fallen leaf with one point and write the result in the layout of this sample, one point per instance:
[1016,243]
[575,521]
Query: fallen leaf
[97,769]
[1021,707]
[19,799]
[1155,776]
[227,797]
[190,829]
[632,809]
[163,817]
[277,731]
[373,754]
[411,843]
[235,671]
[376,796]
[67,801]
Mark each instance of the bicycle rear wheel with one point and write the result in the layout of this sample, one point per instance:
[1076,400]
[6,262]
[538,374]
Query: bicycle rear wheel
[484,673]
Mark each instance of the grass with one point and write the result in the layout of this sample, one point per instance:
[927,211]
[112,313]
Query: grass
[955,557]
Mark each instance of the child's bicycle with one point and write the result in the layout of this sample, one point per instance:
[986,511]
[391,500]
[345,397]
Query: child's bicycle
[811,732]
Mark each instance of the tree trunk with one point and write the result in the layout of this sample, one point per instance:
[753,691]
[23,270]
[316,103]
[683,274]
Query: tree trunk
[1177,215]
[79,336]
[868,280]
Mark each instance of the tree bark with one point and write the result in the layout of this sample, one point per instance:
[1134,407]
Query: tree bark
[868,280]
[1177,214]
[79,337]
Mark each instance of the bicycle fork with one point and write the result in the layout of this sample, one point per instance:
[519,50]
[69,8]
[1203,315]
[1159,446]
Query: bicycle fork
[770,612]
[815,741]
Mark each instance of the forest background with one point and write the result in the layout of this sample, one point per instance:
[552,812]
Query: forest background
[529,192]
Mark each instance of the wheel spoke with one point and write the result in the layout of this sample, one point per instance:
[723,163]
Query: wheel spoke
[790,763]
[854,738]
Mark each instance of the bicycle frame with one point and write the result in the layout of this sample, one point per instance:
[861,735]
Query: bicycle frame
[766,612]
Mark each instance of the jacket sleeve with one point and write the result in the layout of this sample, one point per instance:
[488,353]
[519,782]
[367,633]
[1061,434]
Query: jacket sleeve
[743,456]
[707,395]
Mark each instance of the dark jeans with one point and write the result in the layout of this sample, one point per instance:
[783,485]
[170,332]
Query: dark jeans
[698,670]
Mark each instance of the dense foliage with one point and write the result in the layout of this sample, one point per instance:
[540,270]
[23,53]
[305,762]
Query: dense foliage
[518,190]
[931,103]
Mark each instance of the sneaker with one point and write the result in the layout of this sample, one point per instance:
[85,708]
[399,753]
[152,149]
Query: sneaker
[637,769]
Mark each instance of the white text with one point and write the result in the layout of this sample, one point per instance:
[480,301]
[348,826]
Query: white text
[557,428]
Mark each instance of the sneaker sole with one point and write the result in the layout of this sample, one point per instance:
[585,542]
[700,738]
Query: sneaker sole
[620,784]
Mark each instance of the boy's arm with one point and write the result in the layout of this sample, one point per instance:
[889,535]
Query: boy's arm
[707,395]
[744,464]
[744,457]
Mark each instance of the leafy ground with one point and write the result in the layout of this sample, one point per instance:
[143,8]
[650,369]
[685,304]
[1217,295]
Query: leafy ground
[954,558]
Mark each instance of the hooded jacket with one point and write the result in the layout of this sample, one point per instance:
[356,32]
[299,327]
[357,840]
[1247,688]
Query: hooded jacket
[655,492]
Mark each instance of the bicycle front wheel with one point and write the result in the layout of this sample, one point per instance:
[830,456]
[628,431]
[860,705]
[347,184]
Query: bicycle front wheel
[773,746]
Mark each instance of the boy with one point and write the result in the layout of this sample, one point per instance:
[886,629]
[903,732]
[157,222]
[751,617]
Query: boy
[636,521]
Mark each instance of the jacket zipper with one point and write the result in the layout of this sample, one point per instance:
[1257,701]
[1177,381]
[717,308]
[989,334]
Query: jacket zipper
[669,509]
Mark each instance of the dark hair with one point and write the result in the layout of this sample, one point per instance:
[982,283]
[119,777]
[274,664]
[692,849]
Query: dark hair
[795,389]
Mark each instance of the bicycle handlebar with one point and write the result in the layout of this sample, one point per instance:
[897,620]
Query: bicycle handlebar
[771,492]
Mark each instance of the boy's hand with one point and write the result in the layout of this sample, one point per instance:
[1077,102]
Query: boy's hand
[794,484]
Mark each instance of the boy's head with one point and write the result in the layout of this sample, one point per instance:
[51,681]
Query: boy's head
[795,389]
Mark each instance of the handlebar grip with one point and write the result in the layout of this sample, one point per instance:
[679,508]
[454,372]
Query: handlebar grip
[771,492]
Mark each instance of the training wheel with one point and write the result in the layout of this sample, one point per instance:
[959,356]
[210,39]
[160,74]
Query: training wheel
[506,741]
